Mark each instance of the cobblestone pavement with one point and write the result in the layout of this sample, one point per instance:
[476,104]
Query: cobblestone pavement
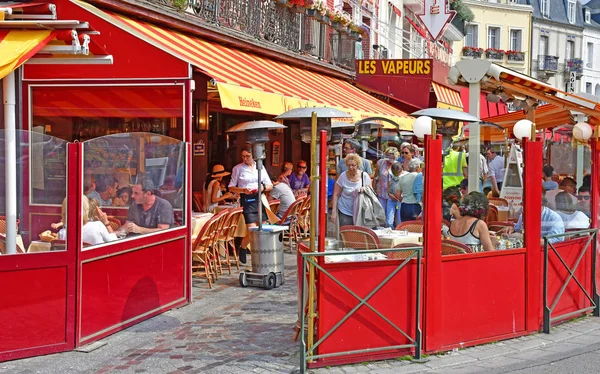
[230,329]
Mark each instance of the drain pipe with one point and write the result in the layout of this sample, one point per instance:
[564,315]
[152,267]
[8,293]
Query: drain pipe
[10,161]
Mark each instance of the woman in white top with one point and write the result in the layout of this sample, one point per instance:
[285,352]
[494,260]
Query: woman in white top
[347,187]
[92,232]
[212,189]
[468,228]
[244,180]
[572,218]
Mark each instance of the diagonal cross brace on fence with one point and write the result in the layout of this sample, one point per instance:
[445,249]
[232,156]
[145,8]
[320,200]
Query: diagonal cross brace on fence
[416,342]
[548,319]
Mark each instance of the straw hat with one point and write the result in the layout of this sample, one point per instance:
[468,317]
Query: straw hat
[219,171]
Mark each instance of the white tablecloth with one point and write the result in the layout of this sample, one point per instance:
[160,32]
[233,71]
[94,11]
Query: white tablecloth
[391,238]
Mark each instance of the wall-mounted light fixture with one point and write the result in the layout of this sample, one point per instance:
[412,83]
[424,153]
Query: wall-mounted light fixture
[200,115]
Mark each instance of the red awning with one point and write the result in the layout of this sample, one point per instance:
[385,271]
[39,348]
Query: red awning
[127,102]
[487,109]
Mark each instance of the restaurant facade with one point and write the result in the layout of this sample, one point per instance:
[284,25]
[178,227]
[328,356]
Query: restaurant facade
[160,112]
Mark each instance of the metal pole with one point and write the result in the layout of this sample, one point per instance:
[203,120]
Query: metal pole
[474,137]
[546,309]
[322,229]
[10,161]
[259,164]
[313,225]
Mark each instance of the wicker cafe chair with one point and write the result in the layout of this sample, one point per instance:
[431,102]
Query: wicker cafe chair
[411,226]
[358,237]
[290,217]
[3,245]
[219,239]
[302,226]
[197,197]
[274,206]
[497,226]
[451,247]
[401,254]
[221,217]
[201,255]
[227,238]
[498,201]
[492,215]
[3,224]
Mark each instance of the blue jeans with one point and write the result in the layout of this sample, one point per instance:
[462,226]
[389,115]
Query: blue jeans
[392,213]
[389,207]
[410,212]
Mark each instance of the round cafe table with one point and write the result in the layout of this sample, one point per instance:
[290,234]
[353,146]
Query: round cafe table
[391,238]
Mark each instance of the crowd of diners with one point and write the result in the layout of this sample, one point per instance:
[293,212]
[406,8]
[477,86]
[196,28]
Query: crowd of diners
[397,181]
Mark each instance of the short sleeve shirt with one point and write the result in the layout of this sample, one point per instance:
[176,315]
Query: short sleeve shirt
[161,212]
[244,176]
[298,183]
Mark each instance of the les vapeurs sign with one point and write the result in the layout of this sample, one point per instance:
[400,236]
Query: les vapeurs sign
[410,67]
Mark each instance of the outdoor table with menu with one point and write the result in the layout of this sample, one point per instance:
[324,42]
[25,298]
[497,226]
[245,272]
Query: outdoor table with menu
[390,238]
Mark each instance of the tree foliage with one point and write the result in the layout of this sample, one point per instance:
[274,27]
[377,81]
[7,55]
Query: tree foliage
[462,10]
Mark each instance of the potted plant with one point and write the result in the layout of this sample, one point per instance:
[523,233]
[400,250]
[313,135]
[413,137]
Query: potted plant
[354,31]
[515,55]
[474,52]
[494,54]
[339,20]
[327,16]
[316,10]
[299,6]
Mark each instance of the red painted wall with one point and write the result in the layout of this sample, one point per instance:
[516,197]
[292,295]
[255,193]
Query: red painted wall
[121,282]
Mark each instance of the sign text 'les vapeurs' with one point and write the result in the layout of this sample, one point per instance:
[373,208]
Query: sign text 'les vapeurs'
[410,67]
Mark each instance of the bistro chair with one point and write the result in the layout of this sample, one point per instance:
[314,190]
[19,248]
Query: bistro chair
[401,254]
[3,245]
[358,237]
[415,226]
[274,206]
[219,230]
[451,247]
[290,218]
[492,215]
[197,197]
[201,250]
[498,201]
[227,239]
[3,224]
[498,226]
[303,222]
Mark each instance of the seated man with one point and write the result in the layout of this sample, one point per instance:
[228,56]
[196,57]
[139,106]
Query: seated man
[284,194]
[105,190]
[552,224]
[149,213]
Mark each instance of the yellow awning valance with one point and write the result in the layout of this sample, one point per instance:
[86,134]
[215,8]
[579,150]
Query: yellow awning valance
[17,46]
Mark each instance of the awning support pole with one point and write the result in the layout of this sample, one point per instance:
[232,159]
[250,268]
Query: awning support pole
[10,161]
[474,137]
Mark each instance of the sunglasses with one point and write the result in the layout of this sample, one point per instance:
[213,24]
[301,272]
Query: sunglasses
[584,197]
[405,153]
[301,166]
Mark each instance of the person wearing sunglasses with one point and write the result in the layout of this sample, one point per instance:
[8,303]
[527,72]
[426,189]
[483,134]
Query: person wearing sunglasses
[352,146]
[584,199]
[408,153]
[299,181]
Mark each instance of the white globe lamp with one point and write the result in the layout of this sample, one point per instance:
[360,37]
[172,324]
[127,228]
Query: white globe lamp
[422,126]
[522,129]
[582,131]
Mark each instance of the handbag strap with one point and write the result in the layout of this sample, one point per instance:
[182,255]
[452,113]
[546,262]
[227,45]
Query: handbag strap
[362,178]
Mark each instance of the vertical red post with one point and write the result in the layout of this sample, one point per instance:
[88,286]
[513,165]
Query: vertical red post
[595,187]
[322,218]
[532,217]
[187,208]
[432,244]
[74,226]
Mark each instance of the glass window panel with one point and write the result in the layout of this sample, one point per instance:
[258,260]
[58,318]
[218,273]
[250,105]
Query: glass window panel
[137,180]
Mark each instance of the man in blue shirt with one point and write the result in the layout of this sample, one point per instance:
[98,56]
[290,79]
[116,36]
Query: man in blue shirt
[353,146]
[552,224]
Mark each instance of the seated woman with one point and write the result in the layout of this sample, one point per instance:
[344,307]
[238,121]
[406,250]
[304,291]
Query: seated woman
[572,218]
[468,227]
[92,232]
[213,195]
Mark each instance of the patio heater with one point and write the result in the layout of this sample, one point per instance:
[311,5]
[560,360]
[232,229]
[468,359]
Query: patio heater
[267,249]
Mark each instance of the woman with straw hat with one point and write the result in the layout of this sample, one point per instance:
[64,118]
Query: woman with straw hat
[212,189]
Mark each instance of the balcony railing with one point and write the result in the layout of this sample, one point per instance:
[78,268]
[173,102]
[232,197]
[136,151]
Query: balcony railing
[494,55]
[272,22]
[548,64]
[574,65]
